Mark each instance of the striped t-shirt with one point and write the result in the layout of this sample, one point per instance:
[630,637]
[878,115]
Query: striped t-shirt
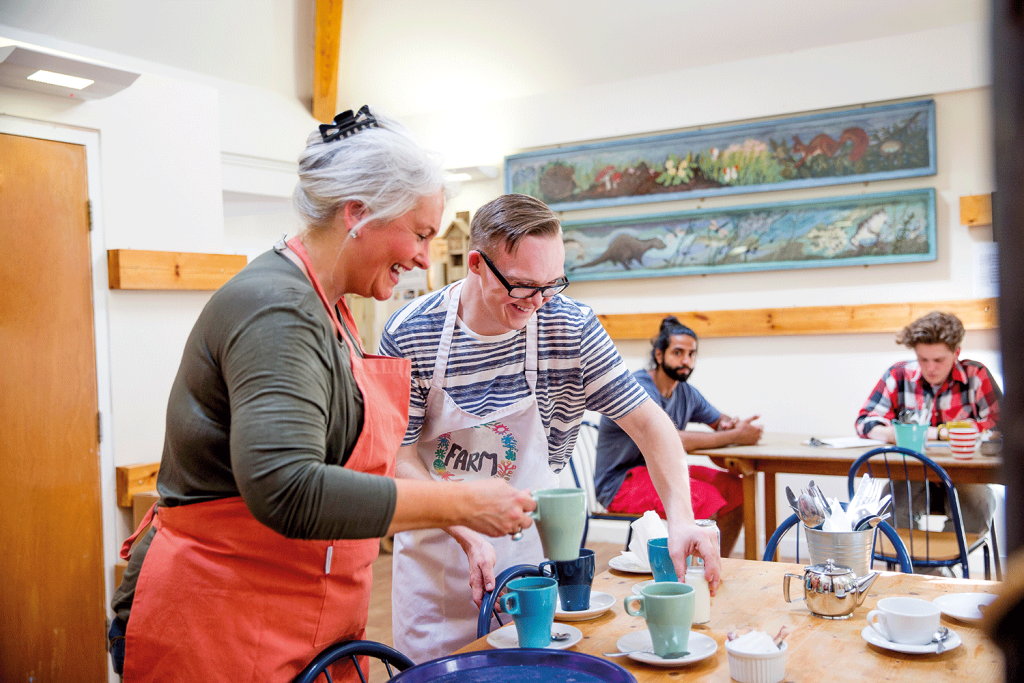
[578,367]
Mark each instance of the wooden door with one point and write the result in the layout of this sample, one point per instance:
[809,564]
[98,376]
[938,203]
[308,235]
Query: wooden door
[51,578]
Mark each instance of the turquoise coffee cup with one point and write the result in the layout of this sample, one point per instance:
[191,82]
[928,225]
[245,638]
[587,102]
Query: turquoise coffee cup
[560,517]
[911,437]
[531,601]
[668,610]
[661,562]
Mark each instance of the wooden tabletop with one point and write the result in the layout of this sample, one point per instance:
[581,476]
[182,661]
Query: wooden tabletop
[820,650]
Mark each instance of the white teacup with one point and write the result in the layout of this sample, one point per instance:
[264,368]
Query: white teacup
[909,621]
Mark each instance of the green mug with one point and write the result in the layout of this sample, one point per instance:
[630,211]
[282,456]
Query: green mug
[560,517]
[667,607]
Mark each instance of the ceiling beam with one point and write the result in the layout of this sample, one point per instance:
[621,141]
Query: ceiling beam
[325,66]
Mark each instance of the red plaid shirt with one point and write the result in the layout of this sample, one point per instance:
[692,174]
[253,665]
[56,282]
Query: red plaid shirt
[969,393]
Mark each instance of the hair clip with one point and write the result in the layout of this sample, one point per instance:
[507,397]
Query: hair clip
[346,124]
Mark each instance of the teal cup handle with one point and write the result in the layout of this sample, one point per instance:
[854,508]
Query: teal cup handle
[667,608]
[531,602]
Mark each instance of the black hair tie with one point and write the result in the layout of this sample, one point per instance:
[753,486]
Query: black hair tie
[347,124]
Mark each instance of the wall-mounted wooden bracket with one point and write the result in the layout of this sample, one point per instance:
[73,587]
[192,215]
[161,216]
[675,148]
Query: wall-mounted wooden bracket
[976,210]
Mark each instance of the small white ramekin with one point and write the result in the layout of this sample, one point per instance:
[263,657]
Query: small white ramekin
[757,668]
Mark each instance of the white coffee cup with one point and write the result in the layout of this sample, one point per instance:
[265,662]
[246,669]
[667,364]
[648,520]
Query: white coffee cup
[909,621]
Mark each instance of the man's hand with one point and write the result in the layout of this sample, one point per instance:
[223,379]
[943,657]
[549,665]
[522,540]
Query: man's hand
[481,561]
[882,433]
[725,423]
[689,539]
[747,434]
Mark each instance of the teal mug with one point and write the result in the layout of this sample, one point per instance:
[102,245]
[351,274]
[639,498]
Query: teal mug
[661,562]
[531,601]
[909,436]
[667,608]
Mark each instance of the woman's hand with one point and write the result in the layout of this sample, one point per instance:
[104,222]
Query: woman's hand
[494,508]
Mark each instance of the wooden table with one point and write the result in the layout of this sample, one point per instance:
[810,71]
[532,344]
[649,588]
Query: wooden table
[785,453]
[820,650]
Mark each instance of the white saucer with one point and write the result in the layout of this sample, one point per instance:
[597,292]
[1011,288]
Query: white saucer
[874,637]
[963,606]
[638,587]
[506,637]
[623,565]
[699,645]
[599,604]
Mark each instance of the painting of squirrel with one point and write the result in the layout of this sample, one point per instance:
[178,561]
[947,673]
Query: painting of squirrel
[824,144]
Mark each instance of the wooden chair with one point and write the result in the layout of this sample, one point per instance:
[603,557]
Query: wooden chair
[927,548]
[582,465]
[353,649]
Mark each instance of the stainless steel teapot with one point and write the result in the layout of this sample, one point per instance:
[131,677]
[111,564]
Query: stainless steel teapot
[832,591]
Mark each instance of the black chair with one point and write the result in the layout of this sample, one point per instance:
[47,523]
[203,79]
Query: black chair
[927,548]
[489,605]
[353,649]
[582,464]
[900,556]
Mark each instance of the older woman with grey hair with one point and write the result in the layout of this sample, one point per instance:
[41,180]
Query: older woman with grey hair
[275,481]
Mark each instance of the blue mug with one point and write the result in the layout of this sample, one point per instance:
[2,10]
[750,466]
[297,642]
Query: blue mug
[661,562]
[574,580]
[531,602]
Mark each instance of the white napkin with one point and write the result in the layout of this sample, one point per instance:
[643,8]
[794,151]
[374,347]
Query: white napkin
[753,643]
[647,527]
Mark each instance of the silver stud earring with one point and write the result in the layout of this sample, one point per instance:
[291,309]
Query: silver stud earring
[353,233]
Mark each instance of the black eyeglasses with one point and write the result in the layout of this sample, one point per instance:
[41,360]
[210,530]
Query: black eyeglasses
[520,292]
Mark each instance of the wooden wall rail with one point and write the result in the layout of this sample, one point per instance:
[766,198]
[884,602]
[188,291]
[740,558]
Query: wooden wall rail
[976,314]
[135,269]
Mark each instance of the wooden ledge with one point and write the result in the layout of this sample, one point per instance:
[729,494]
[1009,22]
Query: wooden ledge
[976,314]
[135,269]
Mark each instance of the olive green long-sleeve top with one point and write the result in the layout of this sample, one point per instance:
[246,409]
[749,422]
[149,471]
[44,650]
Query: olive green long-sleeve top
[265,406]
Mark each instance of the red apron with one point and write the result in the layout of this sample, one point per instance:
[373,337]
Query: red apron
[221,596]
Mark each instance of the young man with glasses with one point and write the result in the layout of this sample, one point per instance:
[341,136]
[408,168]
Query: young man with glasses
[503,368]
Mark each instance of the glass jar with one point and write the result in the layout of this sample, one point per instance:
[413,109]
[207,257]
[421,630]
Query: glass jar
[701,594]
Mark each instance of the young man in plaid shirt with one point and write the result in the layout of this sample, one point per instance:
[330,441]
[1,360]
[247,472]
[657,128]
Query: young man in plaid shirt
[939,382]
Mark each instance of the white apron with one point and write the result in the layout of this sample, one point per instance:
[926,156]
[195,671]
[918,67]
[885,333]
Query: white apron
[432,604]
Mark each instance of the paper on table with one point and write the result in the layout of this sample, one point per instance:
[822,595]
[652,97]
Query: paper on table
[647,527]
[843,442]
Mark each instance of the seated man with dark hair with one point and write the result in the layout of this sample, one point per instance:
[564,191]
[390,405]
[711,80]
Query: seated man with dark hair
[946,388]
[621,479]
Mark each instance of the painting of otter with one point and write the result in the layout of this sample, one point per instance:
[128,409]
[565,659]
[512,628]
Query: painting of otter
[893,227]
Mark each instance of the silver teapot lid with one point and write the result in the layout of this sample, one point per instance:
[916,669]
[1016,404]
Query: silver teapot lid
[830,568]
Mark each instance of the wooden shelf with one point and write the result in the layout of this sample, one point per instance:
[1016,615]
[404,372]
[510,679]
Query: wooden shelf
[976,314]
[135,269]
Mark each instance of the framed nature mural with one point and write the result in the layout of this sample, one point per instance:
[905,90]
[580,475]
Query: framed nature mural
[871,143]
[894,227]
